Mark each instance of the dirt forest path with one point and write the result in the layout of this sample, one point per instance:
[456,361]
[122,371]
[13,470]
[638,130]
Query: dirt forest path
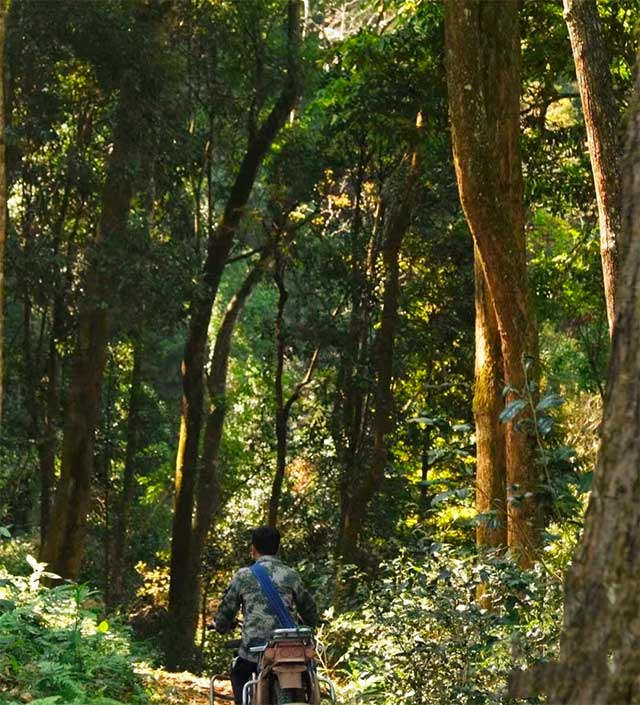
[166,688]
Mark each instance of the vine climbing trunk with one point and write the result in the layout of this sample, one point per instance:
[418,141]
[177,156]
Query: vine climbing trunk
[353,393]
[601,121]
[483,76]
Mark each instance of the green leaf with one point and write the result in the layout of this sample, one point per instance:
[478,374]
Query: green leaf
[461,427]
[550,401]
[423,419]
[585,481]
[545,424]
[5,532]
[103,627]
[512,409]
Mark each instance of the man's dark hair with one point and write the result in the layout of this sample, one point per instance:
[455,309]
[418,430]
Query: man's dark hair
[266,540]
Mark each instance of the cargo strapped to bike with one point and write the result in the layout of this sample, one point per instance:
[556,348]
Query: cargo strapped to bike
[272,596]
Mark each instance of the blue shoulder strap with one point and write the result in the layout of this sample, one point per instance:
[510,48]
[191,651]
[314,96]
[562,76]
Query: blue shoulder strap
[272,596]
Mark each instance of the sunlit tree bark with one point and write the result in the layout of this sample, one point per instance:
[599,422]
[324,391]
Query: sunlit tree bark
[601,121]
[491,472]
[483,75]
[208,492]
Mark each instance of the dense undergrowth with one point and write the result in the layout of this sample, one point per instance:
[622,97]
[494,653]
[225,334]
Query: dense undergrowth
[443,628]
[434,626]
[54,647]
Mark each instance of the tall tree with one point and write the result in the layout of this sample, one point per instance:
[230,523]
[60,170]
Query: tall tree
[483,75]
[64,540]
[602,124]
[208,494]
[180,641]
[117,559]
[366,481]
[284,406]
[4,13]
[601,634]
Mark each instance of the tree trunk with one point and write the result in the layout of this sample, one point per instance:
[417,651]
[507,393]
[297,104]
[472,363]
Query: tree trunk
[491,472]
[354,378]
[209,499]
[47,444]
[600,644]
[425,499]
[51,406]
[127,495]
[4,12]
[64,542]
[180,640]
[601,120]
[283,409]
[483,74]
[369,480]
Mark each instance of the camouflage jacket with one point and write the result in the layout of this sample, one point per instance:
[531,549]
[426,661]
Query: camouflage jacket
[258,618]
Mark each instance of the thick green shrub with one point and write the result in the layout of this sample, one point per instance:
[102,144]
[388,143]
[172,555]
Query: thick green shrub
[439,628]
[54,650]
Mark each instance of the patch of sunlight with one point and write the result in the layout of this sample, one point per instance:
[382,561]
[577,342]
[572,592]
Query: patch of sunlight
[561,114]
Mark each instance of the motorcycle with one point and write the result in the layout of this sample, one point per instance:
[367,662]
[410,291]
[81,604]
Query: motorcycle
[287,673]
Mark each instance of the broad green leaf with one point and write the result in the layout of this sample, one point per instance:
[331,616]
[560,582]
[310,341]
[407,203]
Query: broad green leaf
[545,424]
[423,419]
[512,409]
[461,427]
[103,627]
[549,401]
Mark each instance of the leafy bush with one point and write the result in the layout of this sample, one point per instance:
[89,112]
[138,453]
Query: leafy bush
[441,628]
[54,650]
[13,553]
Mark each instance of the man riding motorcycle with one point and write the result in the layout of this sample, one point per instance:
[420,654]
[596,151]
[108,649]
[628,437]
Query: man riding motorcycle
[259,619]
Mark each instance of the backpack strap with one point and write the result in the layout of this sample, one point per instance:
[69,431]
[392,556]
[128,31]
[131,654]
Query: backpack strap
[272,596]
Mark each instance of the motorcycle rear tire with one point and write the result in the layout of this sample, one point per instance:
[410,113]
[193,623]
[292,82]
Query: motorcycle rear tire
[282,696]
